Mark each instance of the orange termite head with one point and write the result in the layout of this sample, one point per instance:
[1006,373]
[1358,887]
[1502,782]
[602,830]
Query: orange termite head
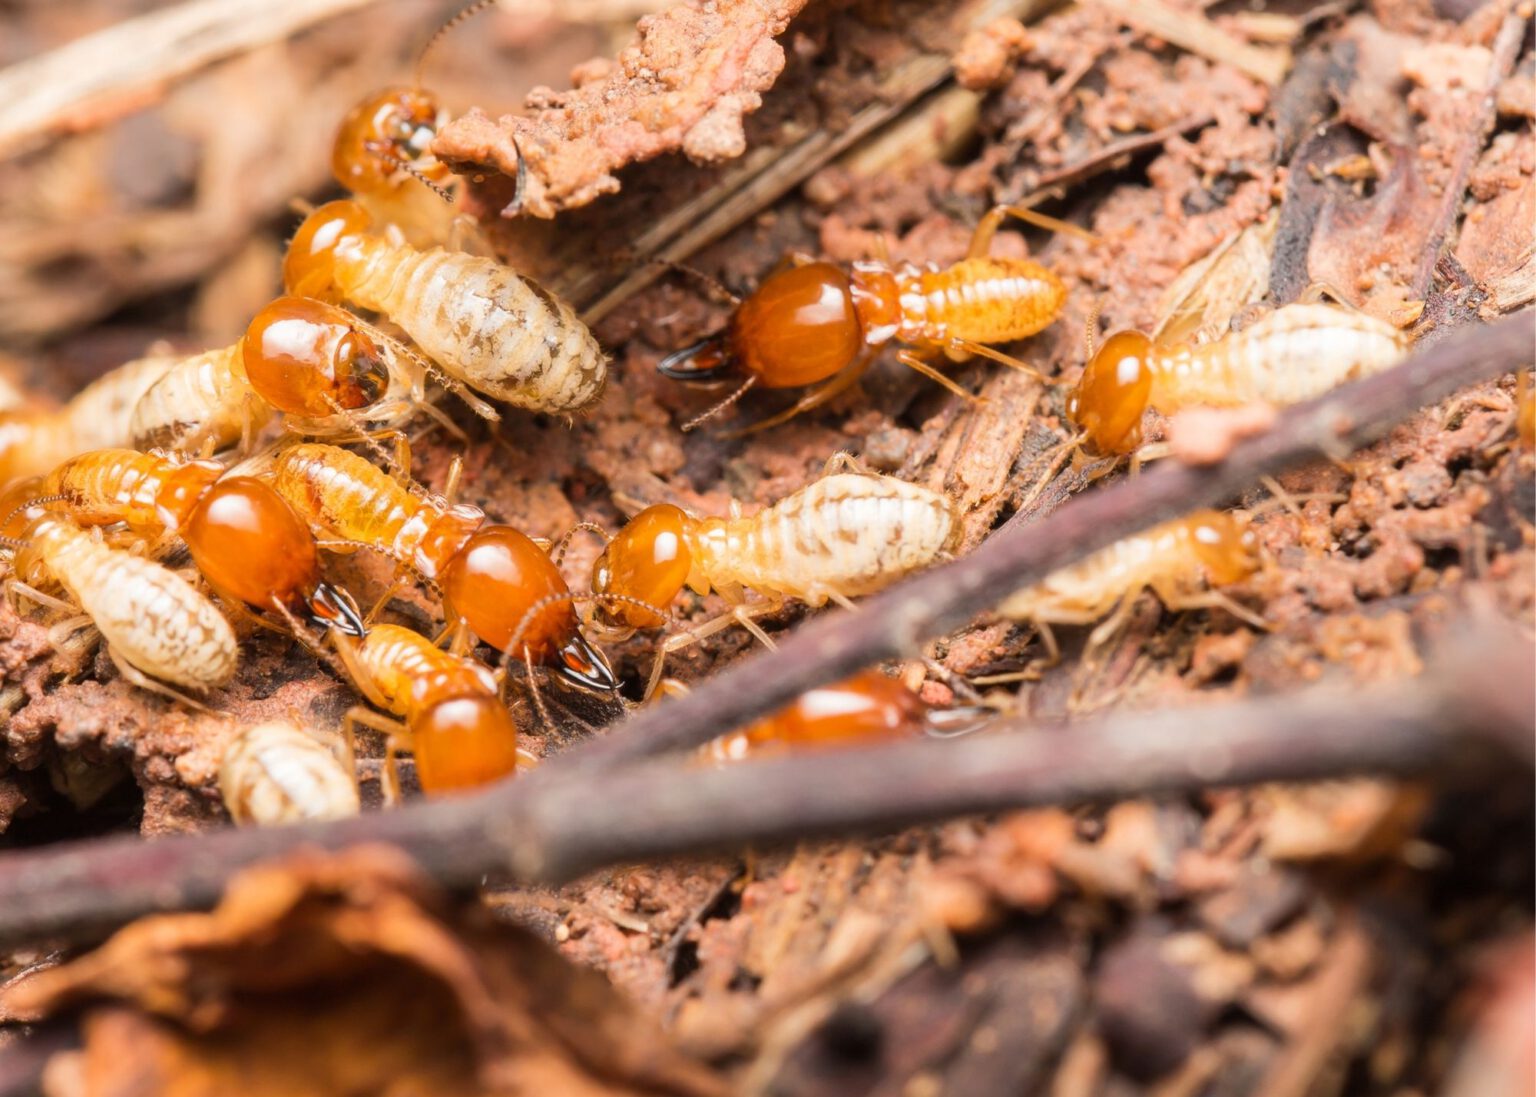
[648,560]
[1109,401]
[308,358]
[507,588]
[799,327]
[387,133]
[249,544]
[1228,548]
[462,743]
[309,267]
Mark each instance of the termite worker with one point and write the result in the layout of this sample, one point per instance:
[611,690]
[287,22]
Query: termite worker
[488,328]
[869,707]
[491,576]
[1294,353]
[1183,562]
[278,772]
[34,440]
[156,625]
[813,323]
[327,371]
[455,723]
[244,538]
[845,535]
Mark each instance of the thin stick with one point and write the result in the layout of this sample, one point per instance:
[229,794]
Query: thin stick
[48,93]
[552,828]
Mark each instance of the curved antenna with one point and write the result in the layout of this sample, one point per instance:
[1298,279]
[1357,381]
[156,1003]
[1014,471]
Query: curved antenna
[437,35]
[1091,330]
[706,416]
[557,550]
[40,501]
[385,151]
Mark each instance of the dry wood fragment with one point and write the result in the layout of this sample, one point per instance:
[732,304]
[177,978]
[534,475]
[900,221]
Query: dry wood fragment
[91,80]
[1197,34]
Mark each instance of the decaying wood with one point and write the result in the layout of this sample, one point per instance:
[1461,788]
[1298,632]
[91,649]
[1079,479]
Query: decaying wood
[563,820]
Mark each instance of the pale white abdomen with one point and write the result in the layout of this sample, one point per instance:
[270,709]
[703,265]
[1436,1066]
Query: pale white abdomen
[500,334]
[155,620]
[202,400]
[276,773]
[848,534]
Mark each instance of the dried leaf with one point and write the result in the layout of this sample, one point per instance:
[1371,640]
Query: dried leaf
[346,974]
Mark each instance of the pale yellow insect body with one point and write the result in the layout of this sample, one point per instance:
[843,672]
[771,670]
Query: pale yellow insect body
[487,327]
[277,772]
[202,400]
[1292,354]
[1176,560]
[98,417]
[845,535]
[151,618]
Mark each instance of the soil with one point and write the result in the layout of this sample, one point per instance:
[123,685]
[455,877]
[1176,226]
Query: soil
[1348,936]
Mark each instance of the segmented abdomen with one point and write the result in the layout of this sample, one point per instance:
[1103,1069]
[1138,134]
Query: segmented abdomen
[110,485]
[152,617]
[500,334]
[981,300]
[1094,585]
[200,400]
[1293,354]
[98,417]
[412,673]
[343,494]
[847,534]
[276,773]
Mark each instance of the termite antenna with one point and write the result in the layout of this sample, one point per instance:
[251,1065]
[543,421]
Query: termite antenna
[437,35]
[557,550]
[709,281]
[573,598]
[546,721]
[438,374]
[1091,330]
[40,501]
[366,439]
[386,151]
[705,417]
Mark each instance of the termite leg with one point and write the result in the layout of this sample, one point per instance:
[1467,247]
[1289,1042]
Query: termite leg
[1316,292]
[396,738]
[1111,626]
[986,228]
[981,350]
[383,601]
[843,461]
[346,651]
[1215,599]
[827,390]
[14,587]
[455,474]
[739,615]
[135,677]
[912,360]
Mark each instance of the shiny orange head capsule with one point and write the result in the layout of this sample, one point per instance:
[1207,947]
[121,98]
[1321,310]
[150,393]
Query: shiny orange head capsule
[1109,401]
[391,130]
[496,580]
[1227,548]
[648,560]
[308,358]
[250,545]
[462,743]
[799,327]
[310,264]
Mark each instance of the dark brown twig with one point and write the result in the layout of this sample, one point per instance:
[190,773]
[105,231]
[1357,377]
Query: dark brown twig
[554,829]
[578,812]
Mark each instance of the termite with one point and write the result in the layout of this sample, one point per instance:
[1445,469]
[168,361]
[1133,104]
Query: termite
[845,535]
[1294,353]
[869,707]
[278,772]
[491,576]
[34,440]
[455,723]
[383,156]
[1184,562]
[488,328]
[1525,409]
[156,625]
[813,323]
[329,372]
[243,536]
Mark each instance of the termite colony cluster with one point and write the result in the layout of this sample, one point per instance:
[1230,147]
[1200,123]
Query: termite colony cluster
[261,459]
